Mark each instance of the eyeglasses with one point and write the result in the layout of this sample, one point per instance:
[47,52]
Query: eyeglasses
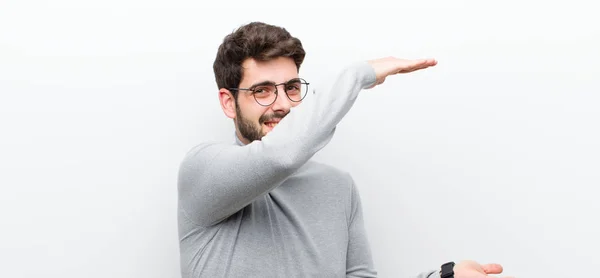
[266,93]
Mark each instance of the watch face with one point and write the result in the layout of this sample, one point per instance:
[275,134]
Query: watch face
[447,270]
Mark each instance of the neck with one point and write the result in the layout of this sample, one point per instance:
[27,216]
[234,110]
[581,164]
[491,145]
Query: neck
[240,140]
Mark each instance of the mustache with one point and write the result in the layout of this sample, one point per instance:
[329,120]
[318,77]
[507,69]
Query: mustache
[269,117]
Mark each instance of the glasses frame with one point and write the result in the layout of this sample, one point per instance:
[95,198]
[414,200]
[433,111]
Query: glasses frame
[302,81]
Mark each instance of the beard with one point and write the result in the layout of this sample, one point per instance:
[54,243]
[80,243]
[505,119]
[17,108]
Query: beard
[251,130]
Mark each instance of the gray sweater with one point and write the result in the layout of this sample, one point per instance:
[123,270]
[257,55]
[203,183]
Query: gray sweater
[265,209]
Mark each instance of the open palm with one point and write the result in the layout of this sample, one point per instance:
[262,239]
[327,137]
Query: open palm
[471,269]
[385,67]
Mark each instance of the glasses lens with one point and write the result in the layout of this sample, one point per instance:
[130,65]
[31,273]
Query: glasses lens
[296,89]
[265,94]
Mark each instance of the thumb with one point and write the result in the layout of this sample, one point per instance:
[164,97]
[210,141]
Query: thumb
[492,268]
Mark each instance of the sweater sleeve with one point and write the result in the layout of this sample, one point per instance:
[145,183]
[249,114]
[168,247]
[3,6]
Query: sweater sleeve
[359,261]
[216,180]
[429,274]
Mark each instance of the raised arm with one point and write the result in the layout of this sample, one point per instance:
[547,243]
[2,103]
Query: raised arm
[217,180]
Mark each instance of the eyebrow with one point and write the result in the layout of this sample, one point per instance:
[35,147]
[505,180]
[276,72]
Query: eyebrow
[262,83]
[268,82]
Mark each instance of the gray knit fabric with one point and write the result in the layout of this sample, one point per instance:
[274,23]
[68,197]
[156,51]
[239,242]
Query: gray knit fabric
[266,209]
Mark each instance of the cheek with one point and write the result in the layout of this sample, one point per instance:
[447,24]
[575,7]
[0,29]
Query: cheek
[252,111]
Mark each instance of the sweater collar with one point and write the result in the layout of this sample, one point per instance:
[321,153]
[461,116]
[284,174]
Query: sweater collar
[237,139]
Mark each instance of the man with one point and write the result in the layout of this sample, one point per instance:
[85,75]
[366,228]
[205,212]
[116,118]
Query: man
[260,207]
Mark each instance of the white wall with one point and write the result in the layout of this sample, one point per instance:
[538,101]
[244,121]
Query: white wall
[493,155]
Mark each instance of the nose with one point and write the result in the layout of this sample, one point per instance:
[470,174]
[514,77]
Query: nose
[282,103]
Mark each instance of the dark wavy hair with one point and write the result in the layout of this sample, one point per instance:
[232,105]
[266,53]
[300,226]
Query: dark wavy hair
[257,40]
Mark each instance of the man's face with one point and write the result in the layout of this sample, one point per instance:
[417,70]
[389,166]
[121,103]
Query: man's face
[253,121]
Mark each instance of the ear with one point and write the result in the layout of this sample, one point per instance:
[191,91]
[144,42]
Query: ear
[227,103]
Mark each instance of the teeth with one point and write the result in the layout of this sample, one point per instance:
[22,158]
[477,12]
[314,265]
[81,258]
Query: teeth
[271,124]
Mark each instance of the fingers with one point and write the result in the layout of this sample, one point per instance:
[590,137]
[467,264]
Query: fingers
[418,65]
[385,67]
[492,268]
[425,63]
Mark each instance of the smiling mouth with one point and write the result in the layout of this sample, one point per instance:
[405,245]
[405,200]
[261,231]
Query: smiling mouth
[271,124]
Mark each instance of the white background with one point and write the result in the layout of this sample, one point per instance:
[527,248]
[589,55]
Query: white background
[493,155]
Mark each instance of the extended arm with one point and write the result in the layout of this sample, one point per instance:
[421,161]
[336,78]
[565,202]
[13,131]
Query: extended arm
[216,180]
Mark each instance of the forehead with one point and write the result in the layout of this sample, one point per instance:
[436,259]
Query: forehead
[278,70]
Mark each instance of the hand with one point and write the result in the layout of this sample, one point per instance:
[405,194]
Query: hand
[471,269]
[385,67]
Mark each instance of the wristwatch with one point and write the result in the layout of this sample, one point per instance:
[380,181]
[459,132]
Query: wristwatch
[447,270]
